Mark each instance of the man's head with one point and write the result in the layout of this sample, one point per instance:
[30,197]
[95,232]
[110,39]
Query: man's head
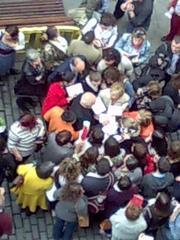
[88,37]
[112,57]
[111,75]
[163,165]
[175,44]
[63,137]
[12,32]
[107,21]
[95,78]
[88,99]
[103,166]
[68,116]
[78,64]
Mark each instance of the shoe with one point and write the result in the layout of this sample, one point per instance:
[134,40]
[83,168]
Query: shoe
[163,39]
[14,71]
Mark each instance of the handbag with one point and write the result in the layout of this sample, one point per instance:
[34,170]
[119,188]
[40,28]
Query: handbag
[83,221]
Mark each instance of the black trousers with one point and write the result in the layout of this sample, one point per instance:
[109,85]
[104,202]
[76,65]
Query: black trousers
[118,13]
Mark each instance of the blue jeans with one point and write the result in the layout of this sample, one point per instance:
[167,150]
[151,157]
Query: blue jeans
[63,230]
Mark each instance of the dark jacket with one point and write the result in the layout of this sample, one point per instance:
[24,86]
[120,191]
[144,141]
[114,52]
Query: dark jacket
[165,49]
[143,11]
[28,85]
[172,92]
[152,184]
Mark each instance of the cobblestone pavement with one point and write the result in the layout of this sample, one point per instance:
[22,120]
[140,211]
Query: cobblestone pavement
[39,225]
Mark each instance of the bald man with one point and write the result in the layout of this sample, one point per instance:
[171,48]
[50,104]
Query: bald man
[81,106]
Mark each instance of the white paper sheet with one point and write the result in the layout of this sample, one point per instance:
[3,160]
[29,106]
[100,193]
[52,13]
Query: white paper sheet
[74,90]
[99,106]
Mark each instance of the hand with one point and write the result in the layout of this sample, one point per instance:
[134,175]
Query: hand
[130,7]
[18,157]
[98,43]
[135,60]
[140,91]
[38,78]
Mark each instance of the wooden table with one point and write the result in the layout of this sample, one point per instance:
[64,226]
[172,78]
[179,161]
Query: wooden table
[32,13]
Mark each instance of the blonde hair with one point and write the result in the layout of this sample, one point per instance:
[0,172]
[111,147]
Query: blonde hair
[145,117]
[70,169]
[129,123]
[88,99]
[117,88]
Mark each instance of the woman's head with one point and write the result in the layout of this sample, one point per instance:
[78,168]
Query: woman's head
[67,78]
[72,191]
[112,57]
[111,75]
[28,120]
[111,147]
[116,91]
[162,204]
[45,169]
[124,183]
[154,89]
[138,37]
[33,56]
[145,118]
[107,20]
[70,169]
[140,151]
[63,137]
[103,166]
[132,163]
[163,165]
[89,157]
[133,212]
[96,136]
[95,78]
[130,126]
[174,150]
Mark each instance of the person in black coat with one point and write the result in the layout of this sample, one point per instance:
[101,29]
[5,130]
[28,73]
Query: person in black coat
[171,51]
[73,64]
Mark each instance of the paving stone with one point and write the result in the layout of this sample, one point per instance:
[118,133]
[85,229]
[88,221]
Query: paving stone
[35,232]
[28,236]
[43,236]
[42,225]
[27,225]
[33,219]
[48,218]
[13,237]
[18,221]
[20,234]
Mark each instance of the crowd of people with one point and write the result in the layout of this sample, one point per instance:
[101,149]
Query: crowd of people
[108,134]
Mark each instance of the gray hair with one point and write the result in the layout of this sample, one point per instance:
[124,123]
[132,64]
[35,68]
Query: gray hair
[32,54]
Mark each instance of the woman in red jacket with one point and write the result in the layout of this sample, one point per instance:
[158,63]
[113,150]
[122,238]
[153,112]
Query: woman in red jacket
[56,95]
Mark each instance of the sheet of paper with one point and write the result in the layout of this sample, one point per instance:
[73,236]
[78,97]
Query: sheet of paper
[99,106]
[115,110]
[74,90]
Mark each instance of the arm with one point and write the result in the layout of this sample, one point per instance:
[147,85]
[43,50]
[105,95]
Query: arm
[21,42]
[121,42]
[113,38]
[146,53]
[89,26]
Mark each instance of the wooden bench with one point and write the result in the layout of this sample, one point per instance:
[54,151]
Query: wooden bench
[33,13]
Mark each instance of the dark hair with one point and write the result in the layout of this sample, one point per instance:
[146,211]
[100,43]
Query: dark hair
[159,142]
[111,147]
[163,204]
[140,152]
[175,80]
[176,39]
[131,163]
[67,76]
[96,136]
[72,191]
[124,183]
[28,120]
[95,76]
[51,32]
[13,31]
[103,166]
[139,32]
[68,116]
[163,165]
[174,150]
[63,137]
[113,74]
[108,19]
[2,145]
[112,54]
[88,37]
[89,157]
[45,169]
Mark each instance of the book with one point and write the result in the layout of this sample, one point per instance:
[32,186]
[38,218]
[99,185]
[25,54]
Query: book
[74,90]
[137,200]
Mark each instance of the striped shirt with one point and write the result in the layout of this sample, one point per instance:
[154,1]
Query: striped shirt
[23,139]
